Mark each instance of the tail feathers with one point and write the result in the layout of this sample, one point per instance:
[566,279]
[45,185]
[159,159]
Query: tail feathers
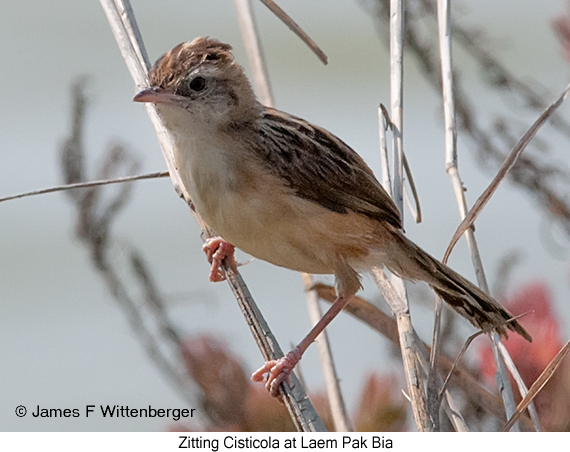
[475,305]
[463,296]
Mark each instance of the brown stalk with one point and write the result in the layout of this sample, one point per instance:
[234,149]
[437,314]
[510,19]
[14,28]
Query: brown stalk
[501,174]
[95,183]
[537,386]
[394,291]
[293,26]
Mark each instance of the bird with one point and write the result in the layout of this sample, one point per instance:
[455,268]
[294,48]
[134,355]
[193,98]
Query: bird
[289,192]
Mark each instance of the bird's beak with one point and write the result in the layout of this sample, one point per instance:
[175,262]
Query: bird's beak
[154,95]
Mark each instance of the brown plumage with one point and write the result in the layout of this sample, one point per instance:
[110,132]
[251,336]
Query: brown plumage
[289,192]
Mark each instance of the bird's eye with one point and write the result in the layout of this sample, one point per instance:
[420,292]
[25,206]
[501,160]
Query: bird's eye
[198,84]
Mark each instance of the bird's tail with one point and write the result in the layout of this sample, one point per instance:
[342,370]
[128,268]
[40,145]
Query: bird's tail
[463,296]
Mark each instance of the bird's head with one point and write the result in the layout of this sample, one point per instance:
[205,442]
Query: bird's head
[202,78]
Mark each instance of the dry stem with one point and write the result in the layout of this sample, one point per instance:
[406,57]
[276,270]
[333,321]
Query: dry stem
[275,9]
[444,21]
[121,18]
[90,184]
[397,299]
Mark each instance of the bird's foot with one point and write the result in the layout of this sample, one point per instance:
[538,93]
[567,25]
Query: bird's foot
[217,249]
[278,371]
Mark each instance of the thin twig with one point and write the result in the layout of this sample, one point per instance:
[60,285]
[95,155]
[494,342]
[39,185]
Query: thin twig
[407,340]
[457,361]
[94,183]
[254,51]
[433,374]
[505,168]
[502,379]
[384,124]
[537,386]
[121,18]
[417,213]
[286,19]
[523,390]
[332,384]
[397,97]
[444,22]
[466,345]
[398,299]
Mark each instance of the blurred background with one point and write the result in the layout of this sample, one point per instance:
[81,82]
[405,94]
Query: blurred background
[66,343]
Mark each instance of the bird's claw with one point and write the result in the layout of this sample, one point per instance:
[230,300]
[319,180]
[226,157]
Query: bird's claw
[217,249]
[278,371]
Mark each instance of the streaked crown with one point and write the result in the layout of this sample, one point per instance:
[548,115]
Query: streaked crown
[205,80]
[175,65]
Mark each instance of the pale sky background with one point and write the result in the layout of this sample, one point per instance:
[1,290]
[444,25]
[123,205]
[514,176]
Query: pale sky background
[64,343]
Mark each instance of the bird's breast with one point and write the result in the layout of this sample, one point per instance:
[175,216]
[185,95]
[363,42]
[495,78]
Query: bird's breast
[255,211]
[243,203]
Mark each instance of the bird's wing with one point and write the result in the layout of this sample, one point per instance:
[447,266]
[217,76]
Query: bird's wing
[320,167]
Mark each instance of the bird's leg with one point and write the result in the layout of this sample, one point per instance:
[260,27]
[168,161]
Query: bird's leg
[217,249]
[278,370]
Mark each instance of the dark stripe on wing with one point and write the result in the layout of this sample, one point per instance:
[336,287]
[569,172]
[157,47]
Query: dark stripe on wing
[320,167]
